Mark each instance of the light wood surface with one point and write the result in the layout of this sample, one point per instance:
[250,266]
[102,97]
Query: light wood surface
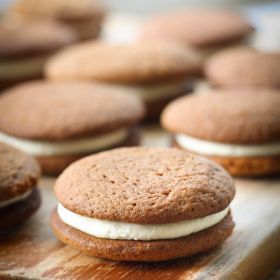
[252,252]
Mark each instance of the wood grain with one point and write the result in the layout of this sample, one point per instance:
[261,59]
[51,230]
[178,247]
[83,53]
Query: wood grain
[252,252]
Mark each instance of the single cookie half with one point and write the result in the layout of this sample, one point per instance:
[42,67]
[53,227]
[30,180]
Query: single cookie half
[84,17]
[157,72]
[203,29]
[19,195]
[25,47]
[240,129]
[143,204]
[61,122]
[244,67]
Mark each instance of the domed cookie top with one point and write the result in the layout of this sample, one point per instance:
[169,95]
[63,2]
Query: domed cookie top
[18,172]
[243,67]
[60,9]
[144,185]
[57,111]
[241,117]
[198,27]
[124,63]
[18,38]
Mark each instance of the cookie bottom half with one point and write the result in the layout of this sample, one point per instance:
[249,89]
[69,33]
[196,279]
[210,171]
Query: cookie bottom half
[54,165]
[19,212]
[147,251]
[244,166]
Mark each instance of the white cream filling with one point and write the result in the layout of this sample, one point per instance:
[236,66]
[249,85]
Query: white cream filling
[209,148]
[155,92]
[8,202]
[129,231]
[21,68]
[69,147]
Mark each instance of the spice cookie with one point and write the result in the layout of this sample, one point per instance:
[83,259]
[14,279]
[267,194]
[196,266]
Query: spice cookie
[244,67]
[19,195]
[203,29]
[238,129]
[25,47]
[61,122]
[156,72]
[143,204]
[84,17]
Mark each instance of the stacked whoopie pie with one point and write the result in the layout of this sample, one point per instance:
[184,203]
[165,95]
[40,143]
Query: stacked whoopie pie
[143,204]
[240,129]
[244,67]
[205,30]
[157,72]
[25,47]
[84,17]
[19,195]
[59,123]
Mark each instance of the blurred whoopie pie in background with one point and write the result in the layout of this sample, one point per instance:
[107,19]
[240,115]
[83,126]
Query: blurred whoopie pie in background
[84,17]
[25,47]
[244,67]
[59,123]
[143,204]
[206,30]
[19,195]
[157,72]
[238,129]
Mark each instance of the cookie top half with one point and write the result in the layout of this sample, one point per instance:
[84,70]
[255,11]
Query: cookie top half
[57,111]
[199,28]
[232,116]
[244,67]
[69,10]
[18,172]
[29,38]
[124,63]
[144,185]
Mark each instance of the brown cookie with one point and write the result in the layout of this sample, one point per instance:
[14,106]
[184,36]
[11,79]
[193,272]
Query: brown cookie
[149,251]
[244,67]
[25,47]
[240,129]
[200,28]
[18,172]
[64,121]
[19,197]
[84,16]
[154,71]
[146,187]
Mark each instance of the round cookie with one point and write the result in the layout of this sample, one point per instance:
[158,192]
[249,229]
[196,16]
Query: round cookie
[19,196]
[203,29]
[238,129]
[156,72]
[143,204]
[25,47]
[244,67]
[61,122]
[84,17]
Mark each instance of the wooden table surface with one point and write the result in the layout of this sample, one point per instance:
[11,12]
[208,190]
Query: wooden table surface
[252,252]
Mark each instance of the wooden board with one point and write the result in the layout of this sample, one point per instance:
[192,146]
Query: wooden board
[252,252]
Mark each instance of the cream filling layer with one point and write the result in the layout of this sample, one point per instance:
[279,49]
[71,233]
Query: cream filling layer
[21,68]
[129,231]
[13,200]
[155,92]
[209,148]
[70,147]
